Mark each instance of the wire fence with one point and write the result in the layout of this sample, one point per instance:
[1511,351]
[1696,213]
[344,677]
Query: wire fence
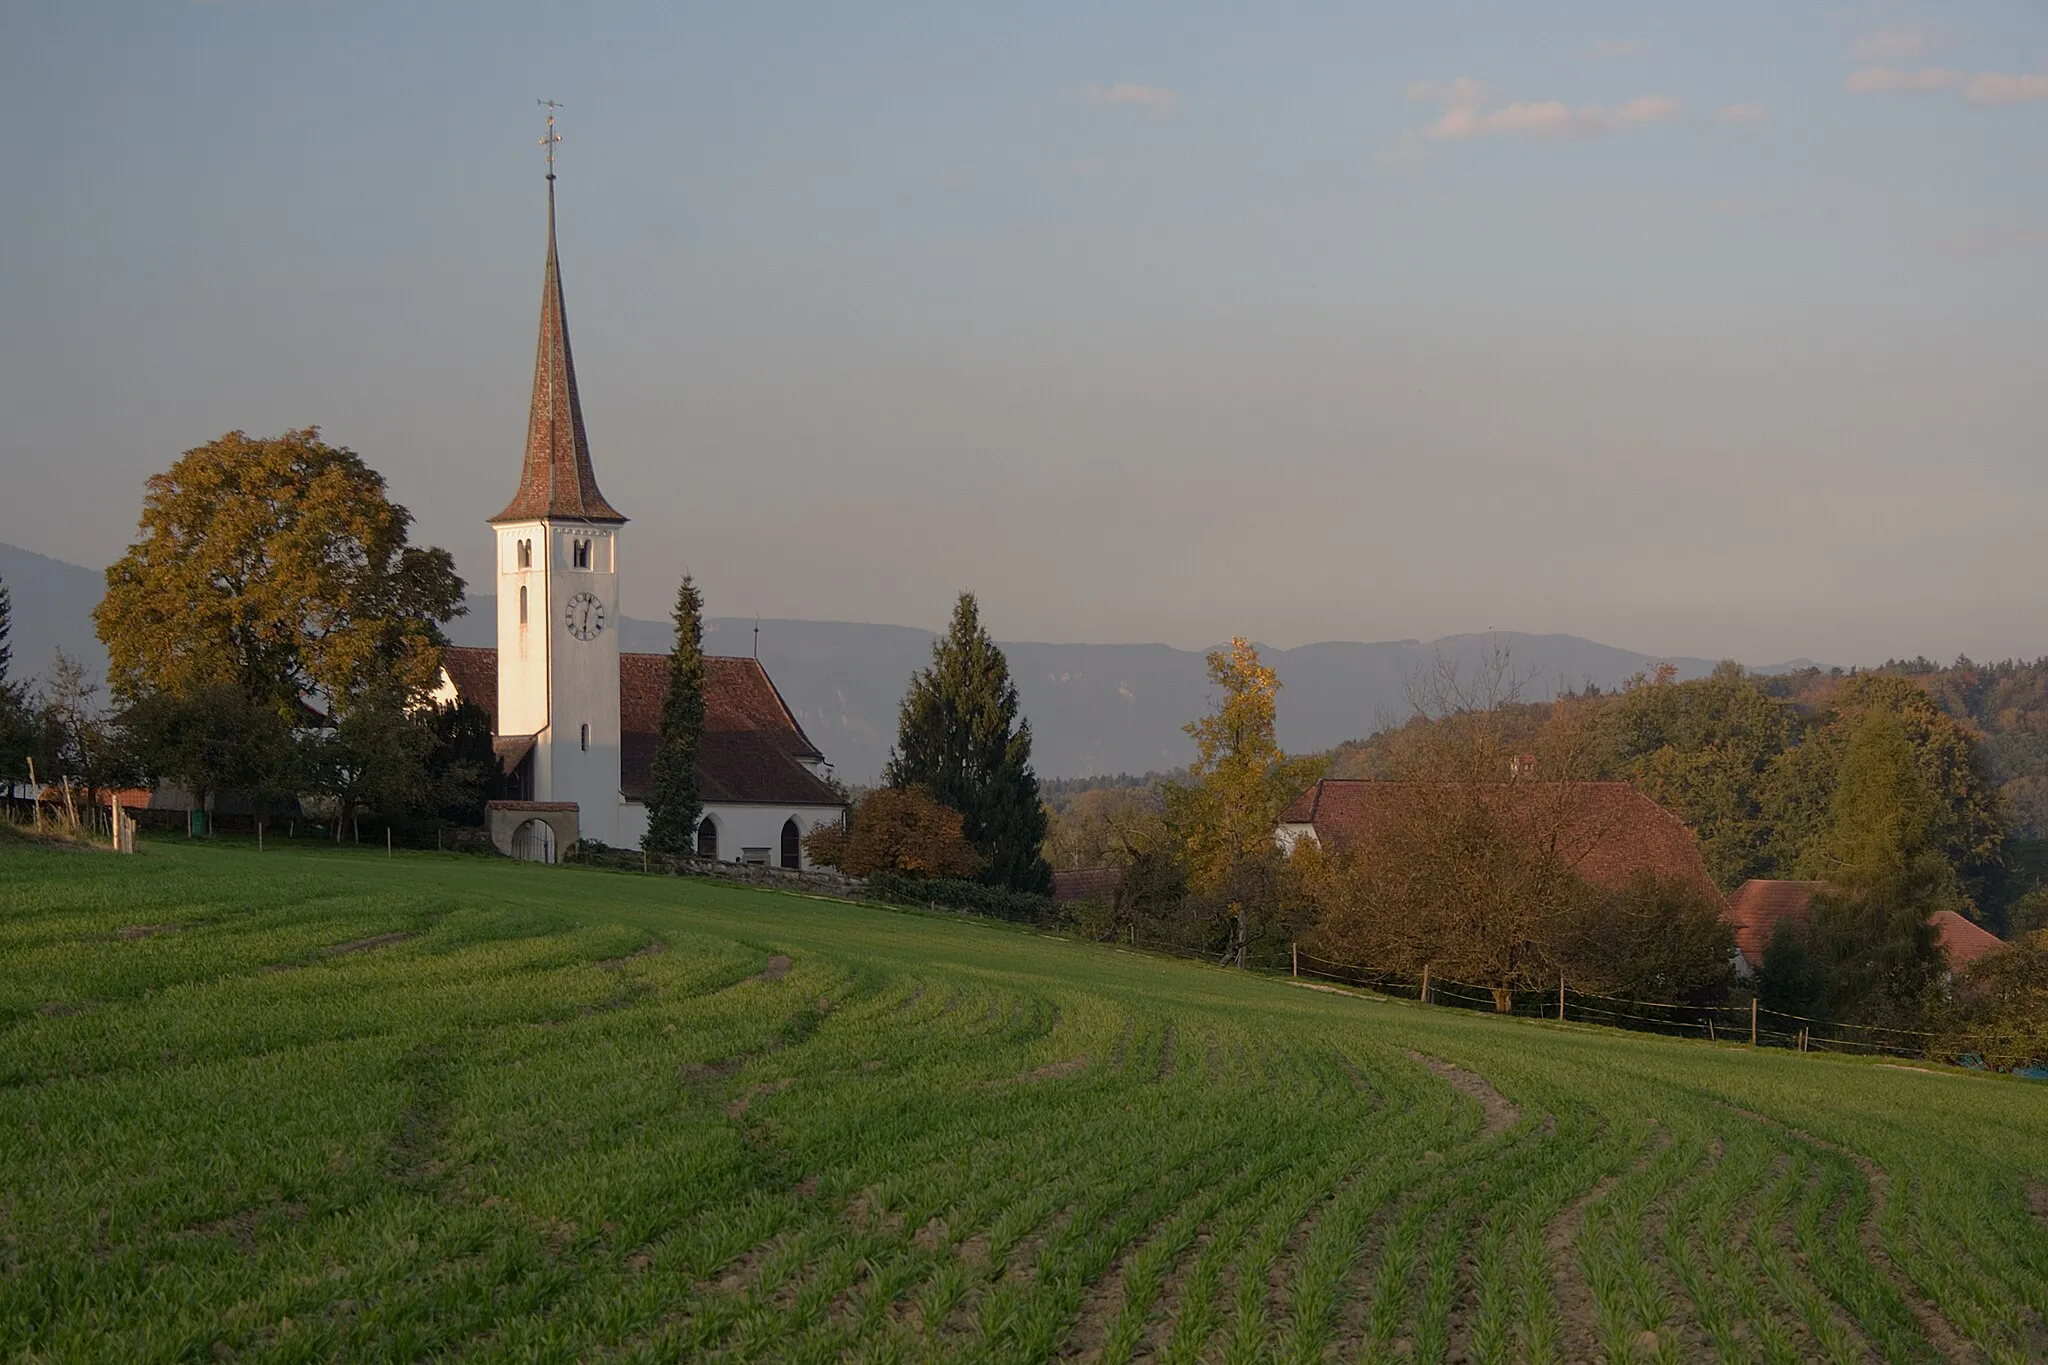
[1742,1022]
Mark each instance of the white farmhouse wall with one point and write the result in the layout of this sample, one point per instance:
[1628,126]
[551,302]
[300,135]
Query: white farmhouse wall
[1287,836]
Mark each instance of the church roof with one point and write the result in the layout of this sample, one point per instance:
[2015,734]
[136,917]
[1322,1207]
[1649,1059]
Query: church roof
[557,479]
[753,751]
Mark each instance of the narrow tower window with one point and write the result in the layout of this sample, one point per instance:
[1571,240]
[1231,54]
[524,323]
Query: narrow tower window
[792,844]
[586,738]
[579,554]
[707,839]
[525,554]
[522,604]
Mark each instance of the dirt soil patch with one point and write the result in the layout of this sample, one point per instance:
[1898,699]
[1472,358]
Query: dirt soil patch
[363,945]
[132,932]
[1052,1071]
[777,968]
[2037,1200]
[1501,1113]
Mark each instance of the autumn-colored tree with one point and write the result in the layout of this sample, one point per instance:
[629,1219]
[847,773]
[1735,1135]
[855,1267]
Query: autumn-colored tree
[277,566]
[899,830]
[1223,814]
[961,737]
[674,805]
[1472,872]
[1656,938]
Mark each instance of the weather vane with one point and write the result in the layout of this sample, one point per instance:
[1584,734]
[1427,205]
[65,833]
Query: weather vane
[553,137]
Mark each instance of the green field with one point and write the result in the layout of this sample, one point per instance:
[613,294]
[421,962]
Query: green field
[311,1104]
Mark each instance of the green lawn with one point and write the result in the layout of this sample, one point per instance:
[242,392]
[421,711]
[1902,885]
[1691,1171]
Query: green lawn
[310,1104]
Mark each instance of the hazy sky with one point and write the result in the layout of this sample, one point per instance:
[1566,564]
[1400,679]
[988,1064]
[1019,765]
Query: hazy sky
[1704,329]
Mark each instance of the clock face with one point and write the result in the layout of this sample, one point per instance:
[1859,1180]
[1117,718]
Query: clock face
[585,617]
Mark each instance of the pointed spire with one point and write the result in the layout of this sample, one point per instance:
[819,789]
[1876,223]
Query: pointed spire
[557,480]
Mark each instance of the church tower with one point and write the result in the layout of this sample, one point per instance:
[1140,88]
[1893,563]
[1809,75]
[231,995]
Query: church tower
[558,586]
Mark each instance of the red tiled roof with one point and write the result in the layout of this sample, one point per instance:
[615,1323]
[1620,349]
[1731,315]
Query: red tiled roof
[557,479]
[1758,906]
[1607,831]
[530,805]
[1966,942]
[753,751]
[1072,884]
[512,750]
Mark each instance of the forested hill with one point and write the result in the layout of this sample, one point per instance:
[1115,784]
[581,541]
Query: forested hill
[2006,702]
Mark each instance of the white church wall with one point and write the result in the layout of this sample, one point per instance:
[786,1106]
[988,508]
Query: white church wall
[523,645]
[740,827]
[582,752]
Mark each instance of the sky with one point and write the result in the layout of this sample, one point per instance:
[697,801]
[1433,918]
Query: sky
[1696,329]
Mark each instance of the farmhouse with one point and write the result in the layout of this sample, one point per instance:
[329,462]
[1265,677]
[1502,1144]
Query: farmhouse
[1605,831]
[1760,905]
[576,721]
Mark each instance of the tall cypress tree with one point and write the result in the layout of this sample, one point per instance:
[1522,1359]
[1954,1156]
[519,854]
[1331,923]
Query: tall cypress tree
[674,805]
[958,736]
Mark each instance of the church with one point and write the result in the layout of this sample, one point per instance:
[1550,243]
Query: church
[576,721]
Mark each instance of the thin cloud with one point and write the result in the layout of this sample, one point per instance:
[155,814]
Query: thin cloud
[1150,98]
[1741,115]
[1905,40]
[1615,50]
[1891,80]
[1996,88]
[1648,109]
[1465,115]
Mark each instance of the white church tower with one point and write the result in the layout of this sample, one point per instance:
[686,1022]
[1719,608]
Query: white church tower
[558,587]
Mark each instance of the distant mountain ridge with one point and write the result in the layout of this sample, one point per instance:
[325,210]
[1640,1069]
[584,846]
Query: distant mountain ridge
[1094,709]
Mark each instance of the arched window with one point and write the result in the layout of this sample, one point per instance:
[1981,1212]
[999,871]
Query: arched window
[585,739]
[525,556]
[707,839]
[579,554]
[792,843]
[522,604]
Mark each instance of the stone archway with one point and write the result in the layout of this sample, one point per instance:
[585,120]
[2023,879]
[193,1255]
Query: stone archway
[533,831]
[534,842]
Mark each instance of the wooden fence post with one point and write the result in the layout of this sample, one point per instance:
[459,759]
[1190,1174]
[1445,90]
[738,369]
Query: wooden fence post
[1295,948]
[1560,998]
[387,841]
[1752,1021]
[1425,983]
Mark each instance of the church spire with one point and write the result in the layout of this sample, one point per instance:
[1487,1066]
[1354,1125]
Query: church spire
[557,480]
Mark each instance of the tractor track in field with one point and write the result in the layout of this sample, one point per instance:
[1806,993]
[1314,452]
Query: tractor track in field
[2037,1203]
[1577,1314]
[1501,1112]
[1105,1299]
[1687,1326]
[1939,1331]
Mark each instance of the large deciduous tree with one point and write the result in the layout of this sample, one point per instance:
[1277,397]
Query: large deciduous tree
[1223,814]
[277,566]
[211,738]
[674,804]
[959,737]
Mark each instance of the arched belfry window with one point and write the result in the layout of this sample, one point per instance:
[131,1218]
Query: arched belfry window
[522,604]
[707,839]
[525,554]
[792,843]
[579,554]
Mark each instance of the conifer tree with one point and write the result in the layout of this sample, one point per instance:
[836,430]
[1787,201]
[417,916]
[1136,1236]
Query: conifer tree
[674,805]
[1887,872]
[959,737]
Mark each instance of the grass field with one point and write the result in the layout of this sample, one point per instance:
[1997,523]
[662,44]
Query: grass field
[313,1104]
